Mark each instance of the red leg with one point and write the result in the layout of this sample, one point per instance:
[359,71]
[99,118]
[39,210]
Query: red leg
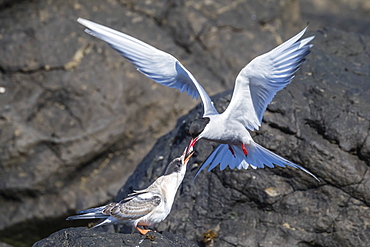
[232,151]
[244,150]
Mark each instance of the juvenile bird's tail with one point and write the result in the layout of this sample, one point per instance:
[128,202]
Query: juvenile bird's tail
[92,213]
[258,157]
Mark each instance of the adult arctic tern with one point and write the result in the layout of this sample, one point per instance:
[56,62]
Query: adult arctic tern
[143,207]
[255,86]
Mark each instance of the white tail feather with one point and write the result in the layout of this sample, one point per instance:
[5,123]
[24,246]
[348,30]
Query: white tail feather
[258,157]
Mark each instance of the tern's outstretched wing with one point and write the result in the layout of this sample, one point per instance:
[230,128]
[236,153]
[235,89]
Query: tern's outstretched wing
[259,81]
[159,66]
[258,157]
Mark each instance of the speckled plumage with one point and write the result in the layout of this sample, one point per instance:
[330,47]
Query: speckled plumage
[143,207]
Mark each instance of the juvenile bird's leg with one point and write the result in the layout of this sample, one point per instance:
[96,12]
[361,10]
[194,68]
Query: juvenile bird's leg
[232,151]
[244,150]
[143,231]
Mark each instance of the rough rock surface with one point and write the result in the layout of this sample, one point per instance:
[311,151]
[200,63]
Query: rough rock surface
[76,237]
[76,119]
[4,244]
[320,121]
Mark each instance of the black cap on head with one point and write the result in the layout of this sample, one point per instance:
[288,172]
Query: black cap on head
[197,126]
[174,166]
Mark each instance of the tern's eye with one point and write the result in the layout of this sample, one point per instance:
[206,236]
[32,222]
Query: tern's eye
[177,166]
[174,166]
[197,126]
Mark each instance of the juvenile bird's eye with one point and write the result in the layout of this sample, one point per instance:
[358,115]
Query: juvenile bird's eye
[174,166]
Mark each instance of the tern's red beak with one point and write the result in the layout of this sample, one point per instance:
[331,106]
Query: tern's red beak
[191,145]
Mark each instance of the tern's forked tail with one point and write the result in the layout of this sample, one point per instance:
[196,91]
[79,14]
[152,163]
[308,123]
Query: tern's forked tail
[258,157]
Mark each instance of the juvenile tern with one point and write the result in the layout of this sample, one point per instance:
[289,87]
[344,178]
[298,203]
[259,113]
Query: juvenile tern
[143,207]
[255,86]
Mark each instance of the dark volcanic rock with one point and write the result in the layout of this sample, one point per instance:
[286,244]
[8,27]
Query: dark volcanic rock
[4,245]
[320,121]
[76,118]
[90,237]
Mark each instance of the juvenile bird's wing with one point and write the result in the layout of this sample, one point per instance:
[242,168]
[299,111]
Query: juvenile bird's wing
[159,66]
[259,81]
[136,206]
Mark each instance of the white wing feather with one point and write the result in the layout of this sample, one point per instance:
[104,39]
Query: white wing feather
[159,66]
[259,81]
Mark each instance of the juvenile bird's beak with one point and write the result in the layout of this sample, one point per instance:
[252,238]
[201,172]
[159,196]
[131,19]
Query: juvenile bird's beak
[187,158]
